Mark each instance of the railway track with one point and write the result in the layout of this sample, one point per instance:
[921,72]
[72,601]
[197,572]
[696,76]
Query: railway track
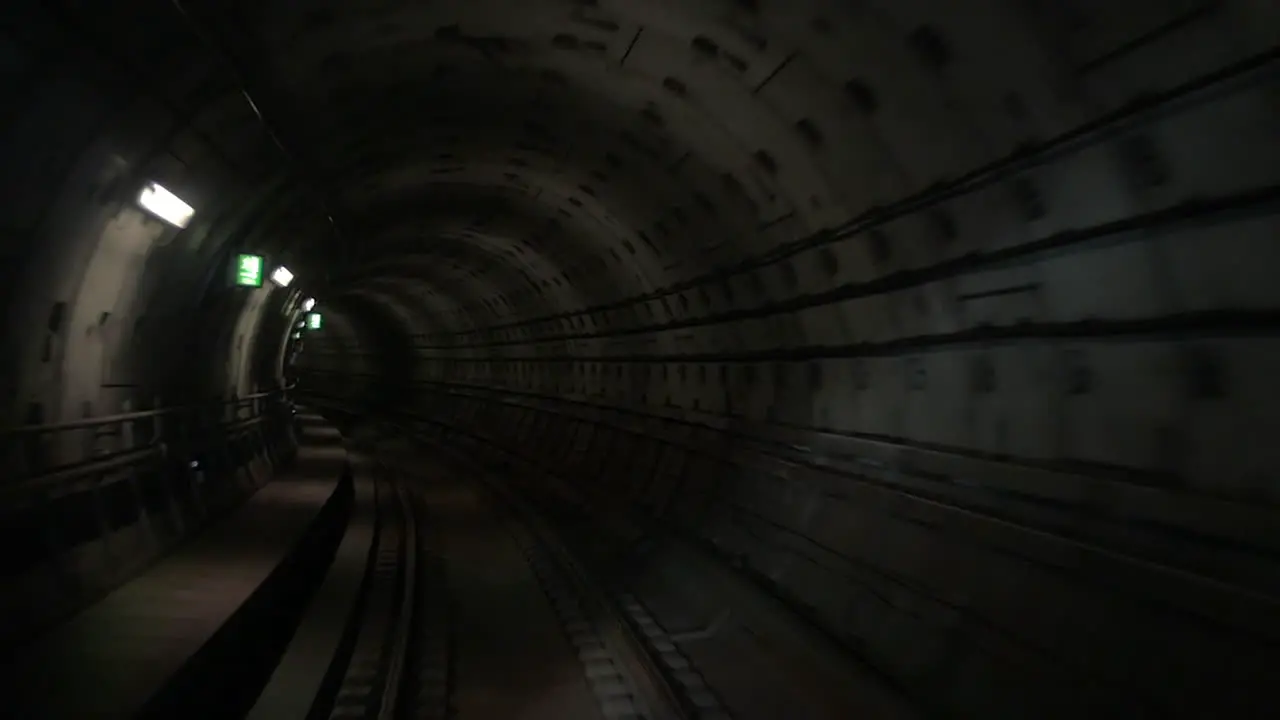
[471,599]
[617,663]
[371,685]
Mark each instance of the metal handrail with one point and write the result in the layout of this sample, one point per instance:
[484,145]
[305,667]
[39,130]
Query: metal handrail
[131,416]
[57,478]
[39,485]
[157,439]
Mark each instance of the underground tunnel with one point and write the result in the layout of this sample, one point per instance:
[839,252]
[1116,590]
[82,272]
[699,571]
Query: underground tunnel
[612,359]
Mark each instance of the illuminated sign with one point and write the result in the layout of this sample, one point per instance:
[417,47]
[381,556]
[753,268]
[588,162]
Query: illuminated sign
[313,321]
[249,270]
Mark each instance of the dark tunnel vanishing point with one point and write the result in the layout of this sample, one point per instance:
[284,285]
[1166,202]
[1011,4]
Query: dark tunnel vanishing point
[948,328]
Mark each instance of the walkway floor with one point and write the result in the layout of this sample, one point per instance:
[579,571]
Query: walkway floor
[110,659]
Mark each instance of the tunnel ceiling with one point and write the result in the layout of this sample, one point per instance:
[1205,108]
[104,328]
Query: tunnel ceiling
[735,180]
[518,160]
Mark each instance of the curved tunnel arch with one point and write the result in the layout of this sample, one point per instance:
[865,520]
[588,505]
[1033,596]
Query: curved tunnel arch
[1035,233]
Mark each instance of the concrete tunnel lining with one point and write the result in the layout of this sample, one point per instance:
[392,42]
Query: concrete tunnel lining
[1040,235]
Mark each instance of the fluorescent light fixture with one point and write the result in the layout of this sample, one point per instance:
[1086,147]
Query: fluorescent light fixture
[249,270]
[313,321]
[308,304]
[281,276]
[165,205]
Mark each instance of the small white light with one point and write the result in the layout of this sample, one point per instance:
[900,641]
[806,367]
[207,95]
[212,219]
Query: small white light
[281,276]
[165,205]
[308,304]
[195,464]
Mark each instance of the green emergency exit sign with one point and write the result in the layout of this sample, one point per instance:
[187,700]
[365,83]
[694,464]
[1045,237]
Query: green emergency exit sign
[249,270]
[313,321]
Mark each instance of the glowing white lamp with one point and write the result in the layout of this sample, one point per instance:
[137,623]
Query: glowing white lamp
[281,276]
[165,205]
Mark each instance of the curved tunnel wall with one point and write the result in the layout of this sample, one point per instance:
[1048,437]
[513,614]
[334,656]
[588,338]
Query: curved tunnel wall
[1041,233]
[108,307]
[1024,311]
[1033,251]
